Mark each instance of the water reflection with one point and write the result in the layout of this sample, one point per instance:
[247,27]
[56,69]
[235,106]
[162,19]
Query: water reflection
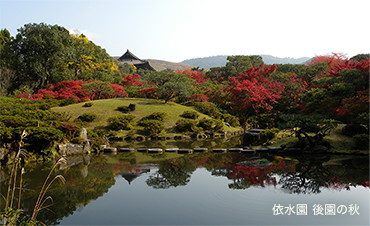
[91,177]
[172,173]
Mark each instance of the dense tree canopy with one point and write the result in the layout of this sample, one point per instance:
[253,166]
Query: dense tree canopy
[170,85]
[41,54]
[37,54]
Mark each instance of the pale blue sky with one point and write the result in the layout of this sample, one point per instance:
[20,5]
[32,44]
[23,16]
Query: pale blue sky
[176,30]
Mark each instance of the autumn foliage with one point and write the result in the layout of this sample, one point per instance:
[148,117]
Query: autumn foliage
[196,76]
[198,98]
[253,91]
[74,89]
[132,80]
[150,92]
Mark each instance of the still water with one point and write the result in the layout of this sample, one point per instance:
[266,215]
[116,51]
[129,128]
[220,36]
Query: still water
[204,188]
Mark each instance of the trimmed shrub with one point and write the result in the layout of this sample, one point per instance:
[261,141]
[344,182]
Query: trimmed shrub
[268,134]
[41,138]
[219,126]
[206,124]
[132,91]
[97,137]
[87,117]
[211,125]
[87,105]
[69,129]
[120,122]
[13,121]
[153,127]
[186,125]
[232,120]
[208,109]
[67,101]
[160,116]
[361,141]
[205,108]
[190,114]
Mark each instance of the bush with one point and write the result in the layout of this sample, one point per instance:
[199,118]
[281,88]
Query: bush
[87,105]
[361,141]
[268,134]
[160,116]
[132,91]
[206,124]
[41,138]
[150,92]
[208,109]
[97,137]
[211,125]
[190,114]
[77,140]
[219,126]
[13,121]
[69,129]
[232,120]
[120,122]
[67,101]
[87,117]
[153,127]
[186,125]
[7,134]
[205,108]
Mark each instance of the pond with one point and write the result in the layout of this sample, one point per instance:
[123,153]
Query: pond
[203,188]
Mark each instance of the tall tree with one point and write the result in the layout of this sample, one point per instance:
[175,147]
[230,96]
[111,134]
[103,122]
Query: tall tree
[253,91]
[85,58]
[38,51]
[170,85]
[242,63]
[4,38]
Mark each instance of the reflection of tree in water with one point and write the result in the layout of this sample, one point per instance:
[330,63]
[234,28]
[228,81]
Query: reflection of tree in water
[304,175]
[245,176]
[311,175]
[172,173]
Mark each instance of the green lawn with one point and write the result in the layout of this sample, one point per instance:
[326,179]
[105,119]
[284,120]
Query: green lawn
[107,108]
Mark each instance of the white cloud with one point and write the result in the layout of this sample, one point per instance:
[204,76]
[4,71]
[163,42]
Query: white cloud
[90,35]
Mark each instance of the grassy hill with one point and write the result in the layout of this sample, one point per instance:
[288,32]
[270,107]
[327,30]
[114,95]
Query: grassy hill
[144,107]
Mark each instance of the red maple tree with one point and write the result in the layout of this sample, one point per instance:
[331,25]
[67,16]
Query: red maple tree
[196,76]
[254,91]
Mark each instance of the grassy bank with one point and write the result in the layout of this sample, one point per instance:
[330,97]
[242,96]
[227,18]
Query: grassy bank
[144,107]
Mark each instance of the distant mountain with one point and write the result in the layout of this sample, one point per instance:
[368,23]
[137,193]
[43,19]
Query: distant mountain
[220,61]
[268,59]
[161,65]
[207,62]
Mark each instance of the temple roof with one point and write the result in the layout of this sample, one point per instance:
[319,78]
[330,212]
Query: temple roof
[130,58]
